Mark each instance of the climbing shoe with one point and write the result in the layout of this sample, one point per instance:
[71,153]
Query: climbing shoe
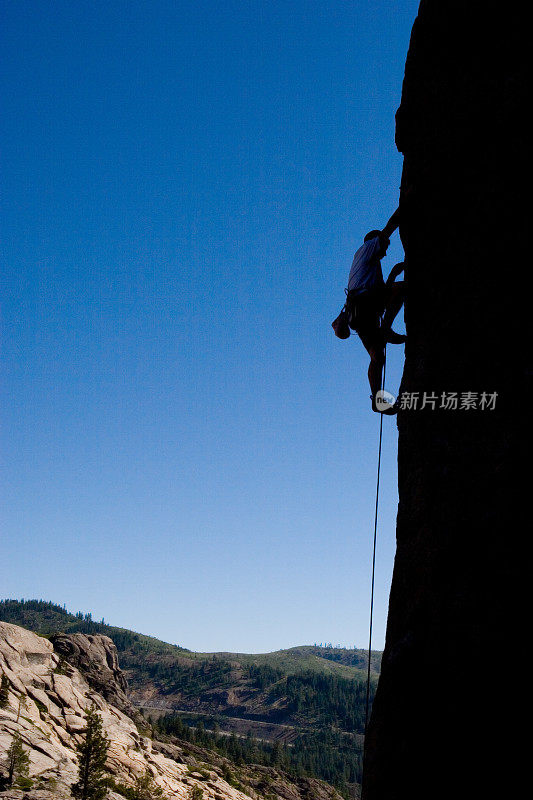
[391,337]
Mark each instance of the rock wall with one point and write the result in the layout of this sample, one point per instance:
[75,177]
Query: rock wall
[445,718]
[97,658]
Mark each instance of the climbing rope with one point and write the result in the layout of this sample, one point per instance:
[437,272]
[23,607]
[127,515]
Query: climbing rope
[374,557]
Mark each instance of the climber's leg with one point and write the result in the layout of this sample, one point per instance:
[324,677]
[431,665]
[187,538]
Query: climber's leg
[375,370]
[374,346]
[394,297]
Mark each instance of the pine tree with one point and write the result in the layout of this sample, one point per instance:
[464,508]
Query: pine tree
[276,755]
[92,754]
[18,760]
[4,691]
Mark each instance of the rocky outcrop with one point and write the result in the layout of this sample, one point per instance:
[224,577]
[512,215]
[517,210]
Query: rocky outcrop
[96,658]
[46,707]
[458,574]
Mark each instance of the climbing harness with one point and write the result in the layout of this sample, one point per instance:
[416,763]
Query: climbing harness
[374,557]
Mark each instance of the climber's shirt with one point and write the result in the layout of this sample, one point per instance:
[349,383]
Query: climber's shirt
[366,273]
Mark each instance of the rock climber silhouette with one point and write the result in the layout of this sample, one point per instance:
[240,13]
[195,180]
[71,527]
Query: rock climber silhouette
[372,304]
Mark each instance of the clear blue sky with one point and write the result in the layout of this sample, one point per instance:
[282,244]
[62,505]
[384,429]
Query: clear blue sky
[187,449]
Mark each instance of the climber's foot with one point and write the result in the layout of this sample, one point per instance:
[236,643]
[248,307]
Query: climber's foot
[394,338]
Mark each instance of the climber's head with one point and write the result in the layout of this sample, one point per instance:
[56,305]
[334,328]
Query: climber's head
[384,241]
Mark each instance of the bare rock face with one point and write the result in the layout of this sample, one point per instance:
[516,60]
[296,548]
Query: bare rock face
[97,658]
[46,707]
[444,724]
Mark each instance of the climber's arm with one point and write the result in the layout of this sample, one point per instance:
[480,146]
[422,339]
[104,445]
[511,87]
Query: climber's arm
[392,224]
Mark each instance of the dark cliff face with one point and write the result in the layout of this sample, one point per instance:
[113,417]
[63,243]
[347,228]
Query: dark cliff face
[445,718]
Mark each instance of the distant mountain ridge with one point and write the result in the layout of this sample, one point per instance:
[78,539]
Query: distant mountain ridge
[45,617]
